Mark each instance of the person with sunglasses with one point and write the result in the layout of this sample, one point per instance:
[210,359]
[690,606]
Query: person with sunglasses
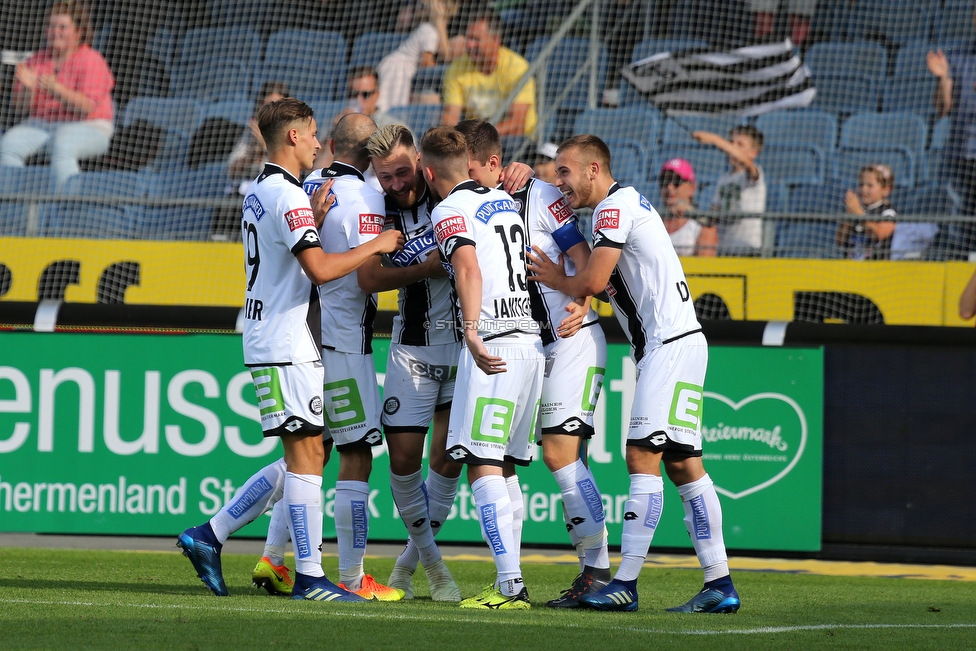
[363,93]
[689,235]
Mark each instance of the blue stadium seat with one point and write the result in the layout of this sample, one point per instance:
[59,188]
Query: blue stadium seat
[912,94]
[794,164]
[308,80]
[954,22]
[370,48]
[220,43]
[800,126]
[811,239]
[568,57]
[900,159]
[641,123]
[429,80]
[628,161]
[862,58]
[235,110]
[935,154]
[306,46]
[777,197]
[162,45]
[890,21]
[709,163]
[252,14]
[173,113]
[113,217]
[827,199]
[910,60]
[887,130]
[185,222]
[212,81]
[678,130]
[325,112]
[419,117]
[32,180]
[845,93]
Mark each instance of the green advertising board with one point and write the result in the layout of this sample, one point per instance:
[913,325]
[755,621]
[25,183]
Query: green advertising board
[149,434]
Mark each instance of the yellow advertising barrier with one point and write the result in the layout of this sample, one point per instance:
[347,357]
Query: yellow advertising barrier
[211,273]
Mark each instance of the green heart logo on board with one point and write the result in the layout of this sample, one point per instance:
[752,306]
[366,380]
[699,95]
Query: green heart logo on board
[751,444]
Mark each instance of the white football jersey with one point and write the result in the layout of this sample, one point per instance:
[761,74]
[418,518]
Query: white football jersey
[281,308]
[427,309]
[355,218]
[487,219]
[553,227]
[648,288]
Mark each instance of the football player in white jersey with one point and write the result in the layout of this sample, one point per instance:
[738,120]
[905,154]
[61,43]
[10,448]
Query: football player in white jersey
[499,379]
[575,361]
[633,259]
[284,262]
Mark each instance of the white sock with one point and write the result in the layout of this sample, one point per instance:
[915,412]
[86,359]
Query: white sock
[274,546]
[257,495]
[352,527]
[584,512]
[411,502]
[574,538]
[642,513]
[495,514]
[303,500]
[703,519]
[441,492]
[518,511]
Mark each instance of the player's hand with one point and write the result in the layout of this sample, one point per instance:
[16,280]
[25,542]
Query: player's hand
[489,364]
[390,241]
[938,63]
[543,269]
[433,267]
[853,203]
[322,200]
[515,176]
[572,324]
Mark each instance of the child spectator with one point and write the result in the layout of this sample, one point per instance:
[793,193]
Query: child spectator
[869,240]
[743,190]
[688,235]
[426,43]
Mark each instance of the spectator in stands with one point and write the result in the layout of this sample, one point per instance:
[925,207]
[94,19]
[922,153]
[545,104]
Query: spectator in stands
[742,190]
[544,164]
[967,300]
[690,236]
[799,14]
[477,83]
[249,155]
[67,88]
[363,92]
[623,25]
[869,240]
[427,44]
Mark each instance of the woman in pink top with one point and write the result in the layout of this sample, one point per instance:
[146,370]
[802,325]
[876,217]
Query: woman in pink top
[67,87]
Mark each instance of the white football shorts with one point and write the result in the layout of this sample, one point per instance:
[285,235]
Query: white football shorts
[351,399]
[575,368]
[289,398]
[419,381]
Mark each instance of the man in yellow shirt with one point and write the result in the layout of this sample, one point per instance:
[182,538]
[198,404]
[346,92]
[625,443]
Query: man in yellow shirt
[476,84]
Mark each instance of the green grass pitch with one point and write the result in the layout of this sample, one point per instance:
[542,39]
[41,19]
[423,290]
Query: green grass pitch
[68,599]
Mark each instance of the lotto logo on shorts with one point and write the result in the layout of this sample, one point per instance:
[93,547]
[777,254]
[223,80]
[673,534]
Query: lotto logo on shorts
[561,210]
[492,420]
[686,406]
[300,218]
[450,227]
[343,404]
[267,388]
[609,218]
[371,224]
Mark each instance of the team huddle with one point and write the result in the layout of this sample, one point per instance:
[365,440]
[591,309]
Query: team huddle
[494,348]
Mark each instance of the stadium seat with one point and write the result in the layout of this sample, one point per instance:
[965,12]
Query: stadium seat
[889,21]
[111,217]
[429,80]
[678,130]
[307,80]
[235,110]
[911,94]
[252,14]
[172,113]
[799,127]
[709,163]
[325,112]
[370,48]
[862,58]
[419,117]
[799,238]
[954,22]
[900,159]
[885,130]
[162,45]
[220,43]
[910,60]
[565,61]
[845,93]
[306,46]
[185,222]
[212,81]
[628,161]
[15,216]
[777,197]
[641,123]
[794,164]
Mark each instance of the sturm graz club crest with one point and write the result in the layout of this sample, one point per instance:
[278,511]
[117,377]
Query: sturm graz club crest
[315,405]
[391,406]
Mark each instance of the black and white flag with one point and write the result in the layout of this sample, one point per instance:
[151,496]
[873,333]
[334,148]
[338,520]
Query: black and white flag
[747,81]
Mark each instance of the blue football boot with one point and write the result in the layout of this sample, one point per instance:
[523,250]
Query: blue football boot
[616,595]
[718,596]
[200,545]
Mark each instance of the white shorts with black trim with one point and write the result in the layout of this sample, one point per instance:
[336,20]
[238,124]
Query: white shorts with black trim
[289,398]
[352,399]
[493,418]
[667,410]
[575,368]
[419,381]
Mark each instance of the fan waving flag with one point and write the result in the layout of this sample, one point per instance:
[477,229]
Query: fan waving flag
[746,81]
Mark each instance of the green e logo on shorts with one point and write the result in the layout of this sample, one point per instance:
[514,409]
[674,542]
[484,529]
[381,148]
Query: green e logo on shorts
[686,405]
[267,387]
[343,404]
[492,420]
[592,388]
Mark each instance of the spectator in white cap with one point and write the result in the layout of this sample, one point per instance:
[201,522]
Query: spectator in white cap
[544,165]
[696,235]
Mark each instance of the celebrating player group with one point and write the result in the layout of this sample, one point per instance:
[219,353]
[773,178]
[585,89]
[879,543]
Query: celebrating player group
[495,349]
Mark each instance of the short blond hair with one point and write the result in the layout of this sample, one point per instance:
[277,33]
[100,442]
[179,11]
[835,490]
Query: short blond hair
[387,138]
